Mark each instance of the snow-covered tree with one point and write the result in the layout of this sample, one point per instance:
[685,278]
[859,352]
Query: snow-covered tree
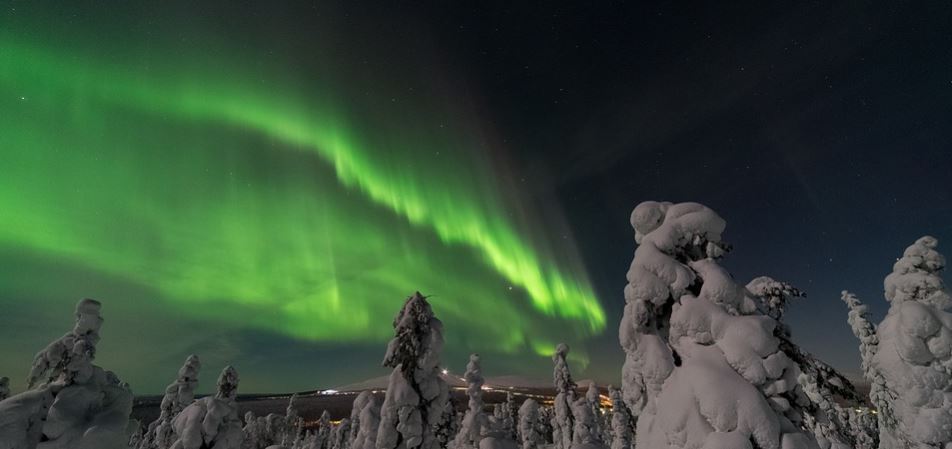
[272,430]
[546,429]
[594,400]
[322,435]
[585,434]
[823,418]
[211,422]
[863,428]
[773,297]
[475,420]
[72,403]
[704,366]
[416,394]
[908,357]
[511,415]
[366,421]
[505,416]
[502,421]
[294,424]
[178,395]
[623,435]
[563,422]
[252,432]
[820,382]
[498,417]
[355,422]
[339,434]
[865,330]
[448,426]
[529,424]
[825,388]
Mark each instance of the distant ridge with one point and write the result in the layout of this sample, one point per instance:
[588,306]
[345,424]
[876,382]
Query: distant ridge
[511,380]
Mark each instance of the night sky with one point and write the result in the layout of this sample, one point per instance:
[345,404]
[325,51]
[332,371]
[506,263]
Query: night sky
[263,184]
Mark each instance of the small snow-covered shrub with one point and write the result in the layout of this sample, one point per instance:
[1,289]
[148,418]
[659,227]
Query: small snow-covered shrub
[563,422]
[475,420]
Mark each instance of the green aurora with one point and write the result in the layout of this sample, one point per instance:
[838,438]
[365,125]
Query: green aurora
[239,197]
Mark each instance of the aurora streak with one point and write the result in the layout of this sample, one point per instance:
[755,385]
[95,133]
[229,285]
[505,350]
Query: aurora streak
[272,207]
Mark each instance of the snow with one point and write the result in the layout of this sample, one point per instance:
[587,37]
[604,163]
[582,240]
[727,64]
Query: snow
[704,367]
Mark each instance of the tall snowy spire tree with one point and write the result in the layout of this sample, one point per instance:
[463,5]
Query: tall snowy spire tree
[908,357]
[563,423]
[704,367]
[475,419]
[416,395]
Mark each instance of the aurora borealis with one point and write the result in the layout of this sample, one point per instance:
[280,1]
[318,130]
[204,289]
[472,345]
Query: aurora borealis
[241,199]
[263,183]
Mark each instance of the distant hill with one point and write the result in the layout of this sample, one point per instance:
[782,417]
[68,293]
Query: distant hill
[506,381]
